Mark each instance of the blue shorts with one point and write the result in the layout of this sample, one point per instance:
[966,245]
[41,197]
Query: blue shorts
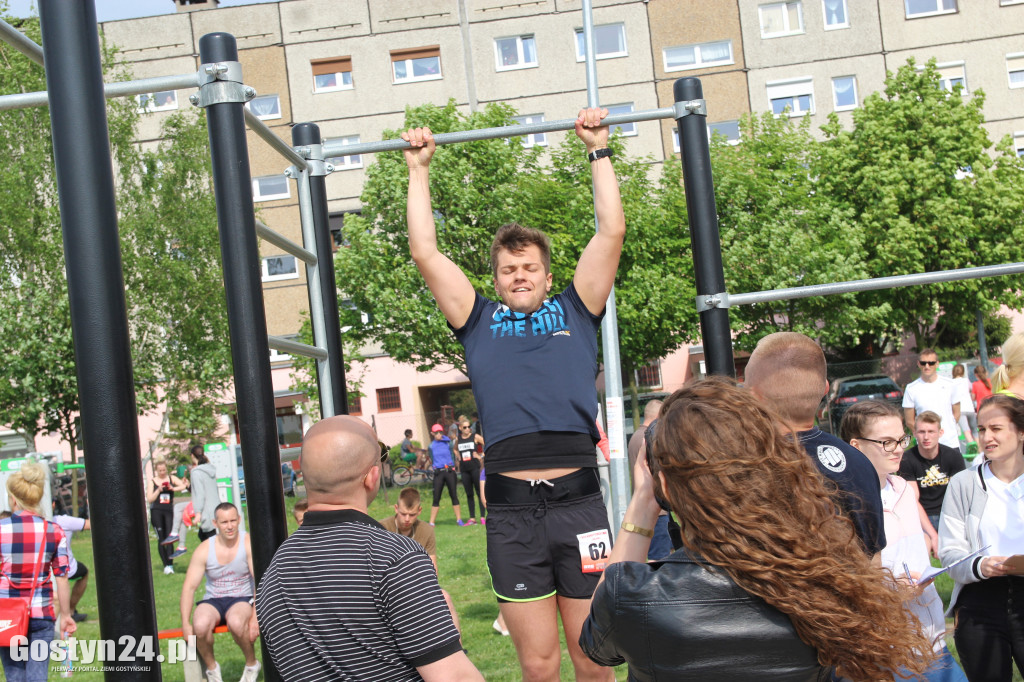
[223,605]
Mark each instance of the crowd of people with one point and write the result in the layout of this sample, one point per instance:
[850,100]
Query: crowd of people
[755,546]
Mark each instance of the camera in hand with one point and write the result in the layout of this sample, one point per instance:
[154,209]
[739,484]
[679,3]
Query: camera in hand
[652,462]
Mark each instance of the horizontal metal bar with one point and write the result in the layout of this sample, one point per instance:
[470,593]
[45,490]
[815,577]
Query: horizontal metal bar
[337,149]
[26,100]
[271,138]
[264,232]
[875,284]
[295,348]
[21,42]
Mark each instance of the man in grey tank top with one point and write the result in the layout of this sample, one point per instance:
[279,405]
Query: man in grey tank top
[226,562]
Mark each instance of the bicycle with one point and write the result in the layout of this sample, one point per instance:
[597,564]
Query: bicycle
[403,474]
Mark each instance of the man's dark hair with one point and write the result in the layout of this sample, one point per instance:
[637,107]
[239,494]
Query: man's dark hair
[513,237]
[409,497]
[197,452]
[408,433]
[223,506]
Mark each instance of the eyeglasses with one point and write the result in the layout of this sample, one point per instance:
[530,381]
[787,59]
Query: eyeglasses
[889,445]
[927,363]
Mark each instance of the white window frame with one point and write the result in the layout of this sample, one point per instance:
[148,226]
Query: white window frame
[932,13]
[1007,3]
[148,107]
[257,194]
[265,268]
[409,65]
[846,15]
[784,6]
[345,161]
[533,139]
[677,147]
[266,117]
[1018,142]
[698,52]
[792,88]
[1017,66]
[835,95]
[522,62]
[581,48]
[729,140]
[627,129]
[343,76]
[945,82]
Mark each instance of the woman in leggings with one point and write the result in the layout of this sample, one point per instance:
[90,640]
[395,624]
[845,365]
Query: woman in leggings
[161,509]
[444,472]
[469,446]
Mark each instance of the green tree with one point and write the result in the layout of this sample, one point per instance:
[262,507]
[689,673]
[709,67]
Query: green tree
[169,250]
[478,186]
[929,192]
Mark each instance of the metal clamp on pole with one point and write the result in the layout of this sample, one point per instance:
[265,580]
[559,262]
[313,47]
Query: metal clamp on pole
[314,156]
[712,301]
[693,106]
[221,82]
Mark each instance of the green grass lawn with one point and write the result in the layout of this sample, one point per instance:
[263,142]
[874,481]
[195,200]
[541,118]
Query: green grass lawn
[463,572]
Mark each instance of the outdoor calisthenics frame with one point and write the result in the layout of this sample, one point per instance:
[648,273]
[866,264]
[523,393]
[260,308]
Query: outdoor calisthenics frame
[75,92]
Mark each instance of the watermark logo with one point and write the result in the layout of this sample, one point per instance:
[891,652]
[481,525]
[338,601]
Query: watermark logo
[86,652]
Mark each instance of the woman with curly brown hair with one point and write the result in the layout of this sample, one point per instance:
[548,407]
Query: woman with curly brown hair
[771,583]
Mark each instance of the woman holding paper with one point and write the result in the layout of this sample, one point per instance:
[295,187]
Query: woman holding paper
[770,585]
[984,508]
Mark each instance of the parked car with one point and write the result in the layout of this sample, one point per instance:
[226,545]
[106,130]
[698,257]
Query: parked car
[849,390]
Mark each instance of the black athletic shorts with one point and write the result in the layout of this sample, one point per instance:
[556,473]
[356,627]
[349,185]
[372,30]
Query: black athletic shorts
[223,605]
[80,572]
[546,538]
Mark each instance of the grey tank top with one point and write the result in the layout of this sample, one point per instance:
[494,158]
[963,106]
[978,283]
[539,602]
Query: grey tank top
[231,579]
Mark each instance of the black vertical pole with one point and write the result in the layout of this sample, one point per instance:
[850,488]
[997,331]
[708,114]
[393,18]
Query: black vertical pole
[700,207]
[99,322]
[982,341]
[304,134]
[250,354]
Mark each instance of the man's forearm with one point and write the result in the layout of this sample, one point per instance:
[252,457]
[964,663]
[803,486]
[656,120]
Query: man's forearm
[611,219]
[419,213]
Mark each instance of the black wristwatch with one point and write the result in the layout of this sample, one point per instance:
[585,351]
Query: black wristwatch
[599,154]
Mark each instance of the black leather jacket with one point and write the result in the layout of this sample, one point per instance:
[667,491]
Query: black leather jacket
[675,620]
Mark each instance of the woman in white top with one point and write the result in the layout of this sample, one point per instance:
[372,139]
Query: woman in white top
[984,510]
[968,416]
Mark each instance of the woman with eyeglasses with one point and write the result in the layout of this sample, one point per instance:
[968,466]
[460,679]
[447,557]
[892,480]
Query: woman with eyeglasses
[770,584]
[875,427]
[983,511]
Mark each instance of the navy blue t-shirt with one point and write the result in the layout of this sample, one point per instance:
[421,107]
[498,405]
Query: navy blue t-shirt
[534,372]
[859,488]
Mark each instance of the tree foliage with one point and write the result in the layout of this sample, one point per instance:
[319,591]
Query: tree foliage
[169,250]
[929,193]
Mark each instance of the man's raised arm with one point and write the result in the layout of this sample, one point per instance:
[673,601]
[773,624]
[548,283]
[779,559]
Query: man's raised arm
[451,288]
[595,272]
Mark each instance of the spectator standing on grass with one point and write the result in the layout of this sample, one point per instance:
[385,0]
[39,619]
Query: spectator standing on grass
[981,388]
[468,447]
[205,496]
[933,393]
[1009,377]
[928,468]
[787,371]
[532,358]
[968,421]
[226,562]
[875,427]
[444,473]
[78,573]
[33,565]
[160,497]
[343,598]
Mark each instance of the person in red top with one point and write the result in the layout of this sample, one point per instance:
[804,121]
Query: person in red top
[23,537]
[982,388]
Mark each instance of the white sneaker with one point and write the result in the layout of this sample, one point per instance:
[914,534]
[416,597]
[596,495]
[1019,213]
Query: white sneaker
[251,674]
[168,570]
[213,674]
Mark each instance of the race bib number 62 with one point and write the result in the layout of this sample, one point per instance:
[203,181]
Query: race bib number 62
[595,548]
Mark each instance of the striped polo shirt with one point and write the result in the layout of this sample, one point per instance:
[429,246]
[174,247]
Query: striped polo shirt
[345,599]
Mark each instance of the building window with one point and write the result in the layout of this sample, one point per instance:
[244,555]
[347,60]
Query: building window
[795,97]
[269,187]
[344,162]
[1010,2]
[517,52]
[694,56]
[730,130]
[533,138]
[418,64]
[649,375]
[280,267]
[388,400]
[355,404]
[332,74]
[925,8]
[165,100]
[781,19]
[835,14]
[336,221]
[609,41]
[625,128]
[279,355]
[1018,143]
[1015,69]
[676,147]
[265,107]
[844,93]
[951,75]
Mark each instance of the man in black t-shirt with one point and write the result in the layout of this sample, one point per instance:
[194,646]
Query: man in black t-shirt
[787,372]
[929,465]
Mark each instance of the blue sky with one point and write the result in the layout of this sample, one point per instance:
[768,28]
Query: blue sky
[111,10]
